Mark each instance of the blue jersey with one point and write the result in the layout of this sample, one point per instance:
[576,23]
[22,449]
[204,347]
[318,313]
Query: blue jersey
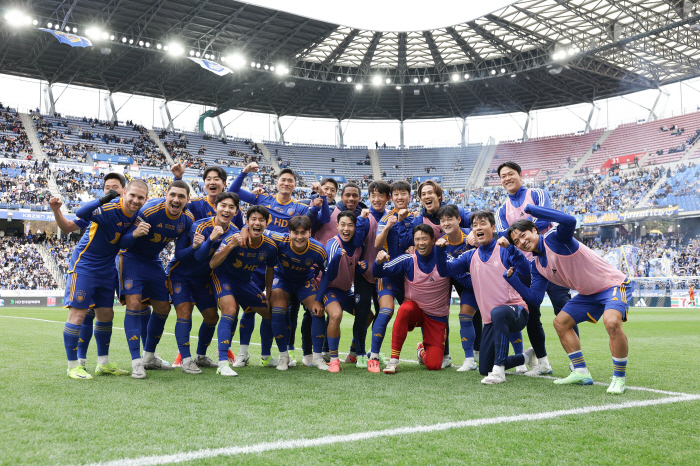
[539,196]
[400,236]
[298,267]
[164,229]
[461,246]
[94,255]
[202,208]
[243,260]
[197,265]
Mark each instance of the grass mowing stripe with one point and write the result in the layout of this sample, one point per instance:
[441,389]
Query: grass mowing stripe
[333,439]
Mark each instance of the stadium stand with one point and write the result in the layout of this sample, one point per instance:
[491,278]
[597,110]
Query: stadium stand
[21,266]
[24,185]
[77,187]
[453,164]
[681,187]
[13,138]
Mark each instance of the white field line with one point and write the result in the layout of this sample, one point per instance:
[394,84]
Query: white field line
[336,439]
[645,389]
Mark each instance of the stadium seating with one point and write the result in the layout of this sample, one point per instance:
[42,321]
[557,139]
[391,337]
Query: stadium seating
[23,185]
[21,266]
[13,139]
[681,188]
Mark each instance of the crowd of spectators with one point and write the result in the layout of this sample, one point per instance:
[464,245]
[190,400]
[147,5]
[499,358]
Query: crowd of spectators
[77,186]
[14,142]
[24,183]
[177,148]
[689,187]
[21,266]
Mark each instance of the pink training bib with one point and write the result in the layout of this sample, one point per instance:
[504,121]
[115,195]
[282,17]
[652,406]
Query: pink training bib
[346,268]
[430,291]
[513,214]
[328,230]
[370,250]
[437,230]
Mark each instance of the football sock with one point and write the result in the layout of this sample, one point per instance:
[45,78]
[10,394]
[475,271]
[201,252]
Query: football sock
[620,366]
[577,360]
[206,334]
[379,328]
[183,327]
[71,334]
[145,317]
[318,331]
[156,325]
[132,328]
[279,327]
[85,334]
[266,337]
[103,336]
[224,335]
[246,327]
[543,360]
[516,340]
[333,343]
[467,334]
[244,348]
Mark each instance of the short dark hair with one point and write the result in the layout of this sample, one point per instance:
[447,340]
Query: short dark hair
[227,195]
[436,187]
[330,180]
[258,209]
[300,221]
[142,183]
[449,210]
[219,171]
[400,186]
[520,225]
[428,230]
[287,171]
[348,214]
[484,215]
[179,184]
[381,187]
[512,165]
[350,185]
[116,176]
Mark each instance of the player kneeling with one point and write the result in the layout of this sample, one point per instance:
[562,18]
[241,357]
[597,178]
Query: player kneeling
[426,300]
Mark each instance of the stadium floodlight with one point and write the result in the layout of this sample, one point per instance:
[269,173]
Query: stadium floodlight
[503,70]
[165,47]
[415,80]
[257,65]
[75,30]
[493,72]
[358,87]
[349,79]
[111,37]
[56,27]
[267,67]
[338,78]
[50,25]
[176,49]
[158,46]
[387,80]
[236,60]
[141,43]
[148,44]
[67,28]
[377,80]
[124,40]
[104,36]
[282,70]
[466,75]
[426,80]
[196,54]
[35,22]
[398,88]
[455,77]
[207,56]
[252,64]
[512,75]
[191,53]
[92,33]
[131,41]
[272,68]
[223,58]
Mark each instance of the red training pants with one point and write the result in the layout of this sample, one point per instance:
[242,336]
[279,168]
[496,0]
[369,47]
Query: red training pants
[411,316]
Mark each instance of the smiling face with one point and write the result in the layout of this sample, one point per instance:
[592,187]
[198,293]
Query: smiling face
[225,211]
[134,198]
[527,240]
[400,198]
[483,230]
[430,199]
[213,184]
[175,200]
[286,184]
[510,180]
[256,225]
[378,201]
[423,243]
[300,238]
[449,224]
[346,229]
[350,198]
[329,190]
[113,184]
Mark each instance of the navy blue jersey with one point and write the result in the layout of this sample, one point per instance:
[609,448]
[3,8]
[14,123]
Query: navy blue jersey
[197,265]
[462,246]
[243,260]
[298,267]
[400,237]
[202,208]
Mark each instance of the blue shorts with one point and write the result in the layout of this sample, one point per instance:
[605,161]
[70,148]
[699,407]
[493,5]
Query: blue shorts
[259,276]
[389,286]
[85,292]
[192,290]
[589,308]
[301,289]
[346,299]
[247,295]
[468,298]
[145,278]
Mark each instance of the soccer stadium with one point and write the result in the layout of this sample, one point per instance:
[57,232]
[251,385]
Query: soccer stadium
[395,233]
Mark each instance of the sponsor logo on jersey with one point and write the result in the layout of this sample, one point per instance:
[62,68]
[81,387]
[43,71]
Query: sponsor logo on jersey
[262,256]
[290,211]
[309,261]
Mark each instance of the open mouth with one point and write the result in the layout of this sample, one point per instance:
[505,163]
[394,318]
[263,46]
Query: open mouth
[428,204]
[256,229]
[479,234]
[226,216]
[212,189]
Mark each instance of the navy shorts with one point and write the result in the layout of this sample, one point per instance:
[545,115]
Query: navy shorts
[301,289]
[589,308]
[145,278]
[247,295]
[197,291]
[389,286]
[85,292]
[346,299]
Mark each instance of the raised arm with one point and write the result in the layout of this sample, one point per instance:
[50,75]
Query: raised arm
[244,195]
[533,295]
[384,267]
[454,267]
[567,223]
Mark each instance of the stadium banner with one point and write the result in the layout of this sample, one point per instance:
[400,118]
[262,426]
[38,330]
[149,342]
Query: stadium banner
[73,40]
[212,66]
[27,215]
[71,166]
[112,158]
[665,211]
[656,301]
[338,178]
[420,179]
[39,301]
[628,159]
[660,267]
[684,301]
[30,293]
[599,218]
[530,175]
[232,170]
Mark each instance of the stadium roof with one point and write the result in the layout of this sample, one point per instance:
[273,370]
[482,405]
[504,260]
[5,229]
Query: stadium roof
[530,55]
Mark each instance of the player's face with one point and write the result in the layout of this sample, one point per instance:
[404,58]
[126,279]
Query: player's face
[350,198]
[430,199]
[525,240]
[300,238]
[423,243]
[213,184]
[286,184]
[176,199]
[113,184]
[346,229]
[225,211]
[510,179]
[329,190]
[378,201]
[449,224]
[256,225]
[400,199]
[483,230]
[134,198]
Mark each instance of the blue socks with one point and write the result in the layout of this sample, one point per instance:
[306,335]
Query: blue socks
[379,328]
[85,334]
[467,334]
[132,329]
[577,360]
[183,327]
[103,335]
[246,327]
[226,326]
[265,337]
[145,317]
[206,333]
[516,340]
[156,325]
[333,343]
[318,333]
[71,334]
[280,327]
[619,366]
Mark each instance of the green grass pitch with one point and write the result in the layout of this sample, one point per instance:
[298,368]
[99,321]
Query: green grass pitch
[48,418]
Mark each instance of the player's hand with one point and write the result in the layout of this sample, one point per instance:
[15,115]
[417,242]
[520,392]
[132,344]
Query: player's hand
[503,242]
[236,240]
[316,308]
[251,167]
[244,235]
[382,257]
[403,214]
[316,187]
[508,273]
[111,194]
[391,221]
[197,240]
[318,202]
[471,239]
[343,252]
[364,213]
[141,230]
[178,169]
[259,191]
[410,250]
[55,203]
[215,233]
[441,243]
[363,265]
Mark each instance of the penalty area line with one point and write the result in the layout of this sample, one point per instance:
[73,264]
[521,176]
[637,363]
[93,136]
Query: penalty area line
[336,439]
